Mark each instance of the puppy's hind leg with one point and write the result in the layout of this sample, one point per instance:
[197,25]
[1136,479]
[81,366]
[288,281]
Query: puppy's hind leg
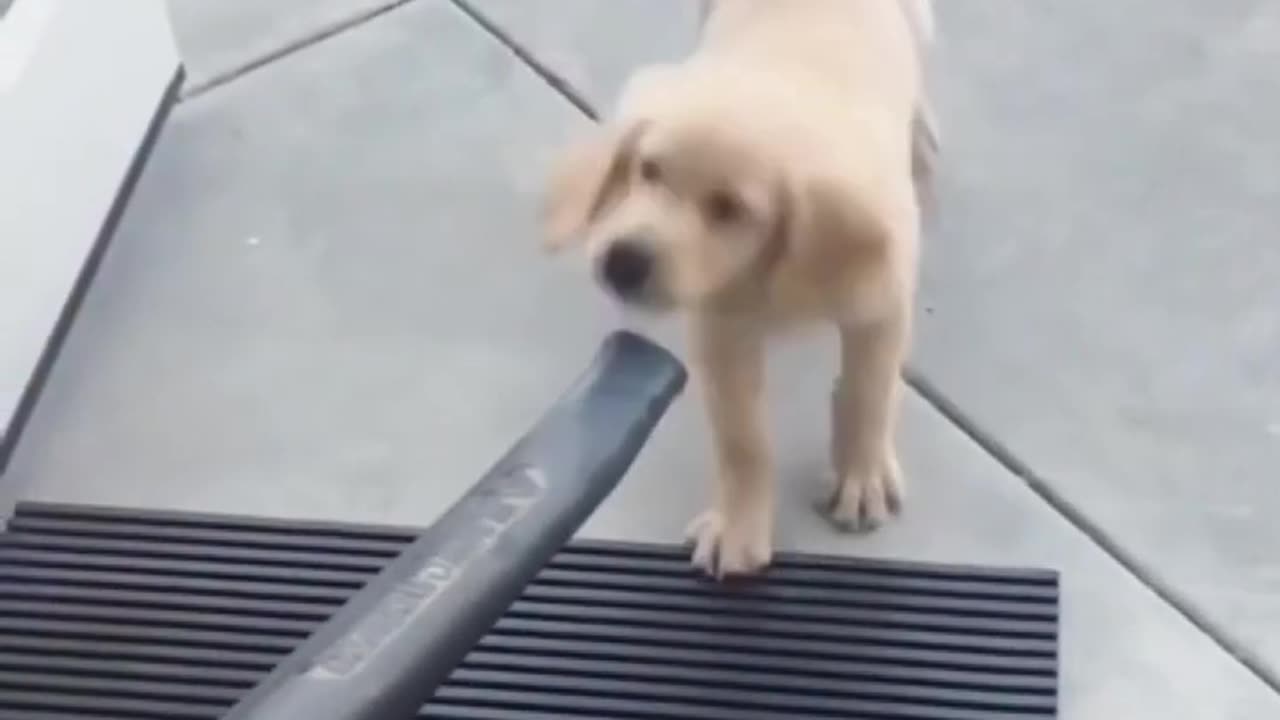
[735,536]
[864,407]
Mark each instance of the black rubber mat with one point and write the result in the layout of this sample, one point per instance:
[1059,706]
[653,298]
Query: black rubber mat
[117,614]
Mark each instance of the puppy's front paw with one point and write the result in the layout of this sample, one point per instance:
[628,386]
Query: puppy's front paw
[862,501]
[725,548]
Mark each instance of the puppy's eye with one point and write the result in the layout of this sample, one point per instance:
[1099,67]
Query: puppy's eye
[650,171]
[723,207]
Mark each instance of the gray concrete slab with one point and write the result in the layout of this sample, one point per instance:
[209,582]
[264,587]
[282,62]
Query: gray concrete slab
[279,324]
[218,37]
[1104,290]
[326,301]
[1101,294]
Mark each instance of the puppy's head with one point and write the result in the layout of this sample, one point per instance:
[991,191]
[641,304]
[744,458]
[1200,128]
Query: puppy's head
[672,206]
[686,199]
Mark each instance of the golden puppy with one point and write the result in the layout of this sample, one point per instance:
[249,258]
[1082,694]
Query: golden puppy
[766,182]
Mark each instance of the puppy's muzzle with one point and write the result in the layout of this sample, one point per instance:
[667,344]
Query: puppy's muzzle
[627,268]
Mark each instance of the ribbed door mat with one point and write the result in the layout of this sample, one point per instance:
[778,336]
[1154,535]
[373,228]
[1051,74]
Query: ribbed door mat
[120,614]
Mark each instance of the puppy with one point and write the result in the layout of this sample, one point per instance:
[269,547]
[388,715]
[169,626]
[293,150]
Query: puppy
[770,181]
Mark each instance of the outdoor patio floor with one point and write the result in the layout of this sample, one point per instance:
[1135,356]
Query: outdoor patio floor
[326,300]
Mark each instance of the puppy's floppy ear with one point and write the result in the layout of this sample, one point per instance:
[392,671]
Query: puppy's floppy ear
[581,185]
[591,171]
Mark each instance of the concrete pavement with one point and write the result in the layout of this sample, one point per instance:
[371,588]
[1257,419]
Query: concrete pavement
[326,301]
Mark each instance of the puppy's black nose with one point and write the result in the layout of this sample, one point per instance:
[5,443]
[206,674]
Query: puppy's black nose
[627,266]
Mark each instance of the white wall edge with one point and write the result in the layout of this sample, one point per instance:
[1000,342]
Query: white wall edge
[81,82]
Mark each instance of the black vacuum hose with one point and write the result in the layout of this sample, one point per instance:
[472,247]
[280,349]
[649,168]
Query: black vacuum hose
[382,656]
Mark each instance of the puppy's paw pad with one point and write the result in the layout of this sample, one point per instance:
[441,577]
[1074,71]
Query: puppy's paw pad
[724,550]
[862,502]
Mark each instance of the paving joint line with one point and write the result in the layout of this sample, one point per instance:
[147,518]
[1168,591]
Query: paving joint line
[557,82]
[936,399]
[337,27]
[1010,461]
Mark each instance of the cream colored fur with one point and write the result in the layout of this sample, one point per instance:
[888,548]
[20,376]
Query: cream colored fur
[767,182]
